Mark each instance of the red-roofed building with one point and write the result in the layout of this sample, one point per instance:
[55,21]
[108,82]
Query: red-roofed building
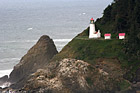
[121,35]
[107,36]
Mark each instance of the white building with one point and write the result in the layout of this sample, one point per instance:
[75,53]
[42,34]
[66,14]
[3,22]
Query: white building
[121,35]
[107,36]
[92,32]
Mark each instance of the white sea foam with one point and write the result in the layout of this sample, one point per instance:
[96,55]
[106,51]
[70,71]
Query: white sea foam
[84,13]
[29,28]
[32,41]
[9,59]
[19,41]
[62,40]
[7,84]
[60,45]
[5,72]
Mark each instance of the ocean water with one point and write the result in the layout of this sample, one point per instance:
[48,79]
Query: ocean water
[23,22]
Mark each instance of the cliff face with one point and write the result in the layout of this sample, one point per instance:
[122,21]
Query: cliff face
[39,55]
[76,76]
[3,80]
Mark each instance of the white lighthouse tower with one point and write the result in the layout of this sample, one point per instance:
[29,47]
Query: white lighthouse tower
[92,32]
[92,28]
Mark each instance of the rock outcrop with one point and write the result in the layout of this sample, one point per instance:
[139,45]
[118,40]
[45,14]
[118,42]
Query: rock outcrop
[39,55]
[76,76]
[59,77]
[3,80]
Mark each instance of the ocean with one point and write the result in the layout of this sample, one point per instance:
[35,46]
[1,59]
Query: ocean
[23,22]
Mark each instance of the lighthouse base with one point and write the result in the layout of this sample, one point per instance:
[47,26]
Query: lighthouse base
[95,36]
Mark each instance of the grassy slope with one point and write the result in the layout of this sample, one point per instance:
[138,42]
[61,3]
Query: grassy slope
[118,18]
[130,63]
[91,49]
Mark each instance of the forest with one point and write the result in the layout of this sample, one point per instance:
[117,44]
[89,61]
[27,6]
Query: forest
[124,16]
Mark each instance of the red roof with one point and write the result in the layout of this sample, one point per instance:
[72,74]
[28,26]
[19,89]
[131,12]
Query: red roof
[121,34]
[92,19]
[107,34]
[95,32]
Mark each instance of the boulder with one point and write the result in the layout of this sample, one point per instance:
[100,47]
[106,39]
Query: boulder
[38,56]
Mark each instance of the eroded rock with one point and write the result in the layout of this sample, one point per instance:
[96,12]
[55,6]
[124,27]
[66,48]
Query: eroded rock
[76,76]
[3,80]
[38,56]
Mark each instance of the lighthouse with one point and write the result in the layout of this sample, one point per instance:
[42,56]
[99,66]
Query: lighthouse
[92,28]
[92,32]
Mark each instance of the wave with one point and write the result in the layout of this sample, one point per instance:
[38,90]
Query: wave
[33,41]
[19,41]
[82,14]
[30,29]
[9,59]
[57,45]
[5,72]
[62,40]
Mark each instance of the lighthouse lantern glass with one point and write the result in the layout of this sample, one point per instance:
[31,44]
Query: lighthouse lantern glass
[91,21]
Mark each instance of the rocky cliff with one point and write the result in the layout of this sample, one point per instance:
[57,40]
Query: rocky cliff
[77,76]
[3,80]
[38,56]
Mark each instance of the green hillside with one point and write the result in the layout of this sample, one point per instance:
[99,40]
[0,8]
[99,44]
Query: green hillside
[100,52]
[123,16]
[90,49]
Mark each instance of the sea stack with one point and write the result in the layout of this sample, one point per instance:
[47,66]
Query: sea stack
[39,55]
